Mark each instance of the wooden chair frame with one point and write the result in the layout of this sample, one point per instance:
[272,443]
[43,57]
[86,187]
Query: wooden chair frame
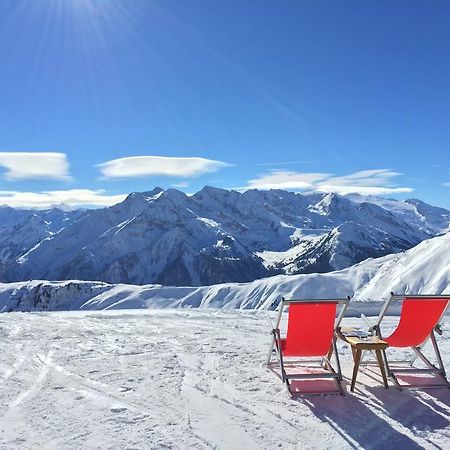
[323,362]
[438,370]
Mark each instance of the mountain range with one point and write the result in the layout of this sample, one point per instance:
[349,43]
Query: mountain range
[424,269]
[213,236]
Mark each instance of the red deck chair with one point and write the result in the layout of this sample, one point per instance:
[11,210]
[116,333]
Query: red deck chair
[310,334]
[419,320]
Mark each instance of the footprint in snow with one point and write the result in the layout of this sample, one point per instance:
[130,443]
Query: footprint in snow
[118,409]
[125,389]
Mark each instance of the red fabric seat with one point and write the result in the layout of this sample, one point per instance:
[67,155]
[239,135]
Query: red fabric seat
[417,320]
[310,333]
[310,329]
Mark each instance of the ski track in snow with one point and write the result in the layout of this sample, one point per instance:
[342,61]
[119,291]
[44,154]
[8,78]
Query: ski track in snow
[189,379]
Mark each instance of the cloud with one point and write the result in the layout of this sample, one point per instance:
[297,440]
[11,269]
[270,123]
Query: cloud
[446,184]
[365,178]
[143,166]
[31,166]
[283,179]
[365,182]
[47,199]
[288,163]
[181,185]
[363,190]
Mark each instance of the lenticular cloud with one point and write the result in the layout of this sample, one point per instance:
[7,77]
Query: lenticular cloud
[31,165]
[140,166]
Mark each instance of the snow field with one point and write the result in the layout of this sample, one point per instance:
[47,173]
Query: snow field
[188,379]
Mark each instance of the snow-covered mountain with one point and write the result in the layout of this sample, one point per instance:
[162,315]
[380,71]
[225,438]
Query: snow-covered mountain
[424,269]
[217,236]
[21,229]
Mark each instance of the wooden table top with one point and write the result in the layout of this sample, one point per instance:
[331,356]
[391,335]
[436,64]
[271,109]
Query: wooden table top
[363,343]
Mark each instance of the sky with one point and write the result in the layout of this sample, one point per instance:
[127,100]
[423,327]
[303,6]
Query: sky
[100,98]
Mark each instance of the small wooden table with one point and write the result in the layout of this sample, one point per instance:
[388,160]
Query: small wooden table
[358,345]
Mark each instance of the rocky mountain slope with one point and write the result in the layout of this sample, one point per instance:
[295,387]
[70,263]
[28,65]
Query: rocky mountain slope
[216,236]
[424,269]
[21,230]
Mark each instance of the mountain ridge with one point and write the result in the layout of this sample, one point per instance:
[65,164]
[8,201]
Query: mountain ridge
[215,235]
[424,269]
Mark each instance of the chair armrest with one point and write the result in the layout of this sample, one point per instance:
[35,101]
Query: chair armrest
[340,335]
[377,330]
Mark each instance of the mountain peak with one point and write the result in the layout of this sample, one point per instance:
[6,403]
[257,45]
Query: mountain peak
[143,196]
[154,191]
[217,194]
[175,194]
[165,236]
[332,202]
[211,190]
[414,201]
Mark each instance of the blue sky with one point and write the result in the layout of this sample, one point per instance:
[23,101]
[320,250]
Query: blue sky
[349,96]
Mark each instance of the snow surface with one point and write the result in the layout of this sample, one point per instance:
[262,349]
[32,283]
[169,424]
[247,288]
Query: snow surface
[189,379]
[424,269]
[413,211]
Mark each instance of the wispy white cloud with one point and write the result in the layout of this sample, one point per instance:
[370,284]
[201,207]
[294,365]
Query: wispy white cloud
[446,184]
[283,179]
[48,199]
[363,190]
[29,165]
[365,178]
[365,182]
[181,185]
[287,163]
[143,166]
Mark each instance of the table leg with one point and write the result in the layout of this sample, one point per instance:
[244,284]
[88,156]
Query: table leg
[381,365]
[357,358]
[330,353]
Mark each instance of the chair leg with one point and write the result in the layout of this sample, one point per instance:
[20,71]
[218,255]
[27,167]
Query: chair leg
[438,355]
[389,372]
[336,355]
[283,372]
[338,366]
[440,371]
[336,375]
[330,352]
[280,358]
[428,363]
[381,365]
[269,356]
[338,378]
